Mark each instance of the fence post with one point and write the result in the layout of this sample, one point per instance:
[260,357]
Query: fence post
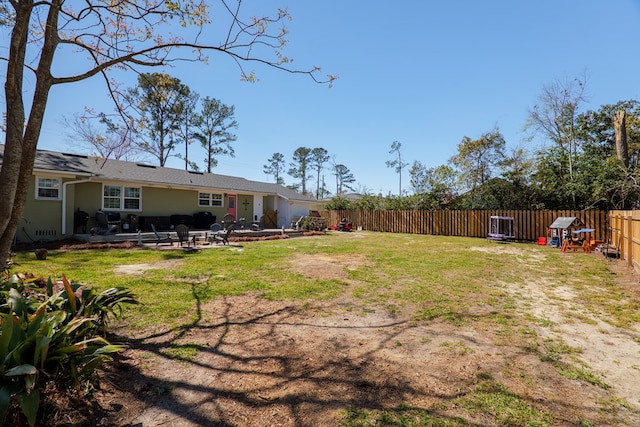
[630,236]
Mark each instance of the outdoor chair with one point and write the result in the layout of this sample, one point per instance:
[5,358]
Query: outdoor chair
[104,225]
[228,219]
[214,230]
[257,226]
[224,237]
[183,234]
[160,238]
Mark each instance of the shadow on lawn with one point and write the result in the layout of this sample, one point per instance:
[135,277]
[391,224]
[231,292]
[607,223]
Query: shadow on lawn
[255,362]
[246,347]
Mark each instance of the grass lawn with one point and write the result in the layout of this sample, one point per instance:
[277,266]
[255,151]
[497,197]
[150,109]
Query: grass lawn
[498,293]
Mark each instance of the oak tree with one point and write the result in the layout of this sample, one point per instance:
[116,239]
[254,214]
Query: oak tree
[554,118]
[107,137]
[477,160]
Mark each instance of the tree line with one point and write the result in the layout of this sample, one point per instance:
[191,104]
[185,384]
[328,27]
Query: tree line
[307,162]
[162,114]
[156,118]
[589,160]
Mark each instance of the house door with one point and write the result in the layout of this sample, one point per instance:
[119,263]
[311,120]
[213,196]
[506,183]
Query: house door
[231,206]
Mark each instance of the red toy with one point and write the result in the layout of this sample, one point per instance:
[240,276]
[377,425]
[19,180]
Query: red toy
[343,225]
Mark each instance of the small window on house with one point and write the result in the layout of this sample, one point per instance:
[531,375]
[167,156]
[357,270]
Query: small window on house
[48,188]
[121,198]
[210,199]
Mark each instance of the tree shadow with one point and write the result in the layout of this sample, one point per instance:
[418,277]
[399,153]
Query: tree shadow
[257,361]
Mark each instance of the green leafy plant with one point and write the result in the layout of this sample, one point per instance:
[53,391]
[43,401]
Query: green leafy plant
[48,335]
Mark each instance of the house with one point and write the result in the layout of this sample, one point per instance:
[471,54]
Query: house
[69,188]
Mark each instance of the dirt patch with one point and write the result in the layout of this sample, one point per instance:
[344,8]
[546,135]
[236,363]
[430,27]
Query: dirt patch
[141,268]
[251,362]
[327,266]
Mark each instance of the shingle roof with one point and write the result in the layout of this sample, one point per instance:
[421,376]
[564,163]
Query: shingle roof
[565,222]
[117,170]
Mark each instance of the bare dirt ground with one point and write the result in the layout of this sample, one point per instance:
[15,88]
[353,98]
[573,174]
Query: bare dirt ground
[249,362]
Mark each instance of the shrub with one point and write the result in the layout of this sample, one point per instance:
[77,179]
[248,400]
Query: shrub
[313,224]
[51,333]
[338,203]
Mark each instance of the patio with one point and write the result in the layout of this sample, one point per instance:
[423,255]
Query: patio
[201,236]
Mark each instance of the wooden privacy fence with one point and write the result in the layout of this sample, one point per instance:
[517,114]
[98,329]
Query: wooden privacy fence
[529,225]
[624,233]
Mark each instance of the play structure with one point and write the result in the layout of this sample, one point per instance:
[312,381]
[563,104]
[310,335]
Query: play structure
[501,228]
[560,229]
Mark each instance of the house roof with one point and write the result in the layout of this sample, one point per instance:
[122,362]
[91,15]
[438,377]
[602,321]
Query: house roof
[565,222]
[101,170]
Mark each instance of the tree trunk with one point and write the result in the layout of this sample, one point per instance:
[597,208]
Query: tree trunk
[620,129]
[22,141]
[13,151]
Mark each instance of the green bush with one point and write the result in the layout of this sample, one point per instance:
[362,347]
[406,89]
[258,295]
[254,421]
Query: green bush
[338,203]
[49,334]
[313,224]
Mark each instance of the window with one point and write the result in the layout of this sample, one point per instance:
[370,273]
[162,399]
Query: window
[48,188]
[131,198]
[111,196]
[121,198]
[210,199]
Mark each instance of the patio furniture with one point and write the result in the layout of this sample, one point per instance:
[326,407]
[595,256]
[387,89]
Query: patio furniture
[258,225]
[105,226]
[175,220]
[182,231]
[215,229]
[80,219]
[224,237]
[228,219]
[160,238]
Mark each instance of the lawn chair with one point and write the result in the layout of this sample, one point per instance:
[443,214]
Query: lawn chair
[227,220]
[214,230]
[224,237]
[160,238]
[183,234]
[104,225]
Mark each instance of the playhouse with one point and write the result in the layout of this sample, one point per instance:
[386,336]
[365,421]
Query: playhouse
[561,228]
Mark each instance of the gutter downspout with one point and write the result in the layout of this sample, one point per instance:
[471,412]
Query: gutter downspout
[64,202]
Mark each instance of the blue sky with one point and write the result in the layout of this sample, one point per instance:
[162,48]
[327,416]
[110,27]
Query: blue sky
[424,73]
